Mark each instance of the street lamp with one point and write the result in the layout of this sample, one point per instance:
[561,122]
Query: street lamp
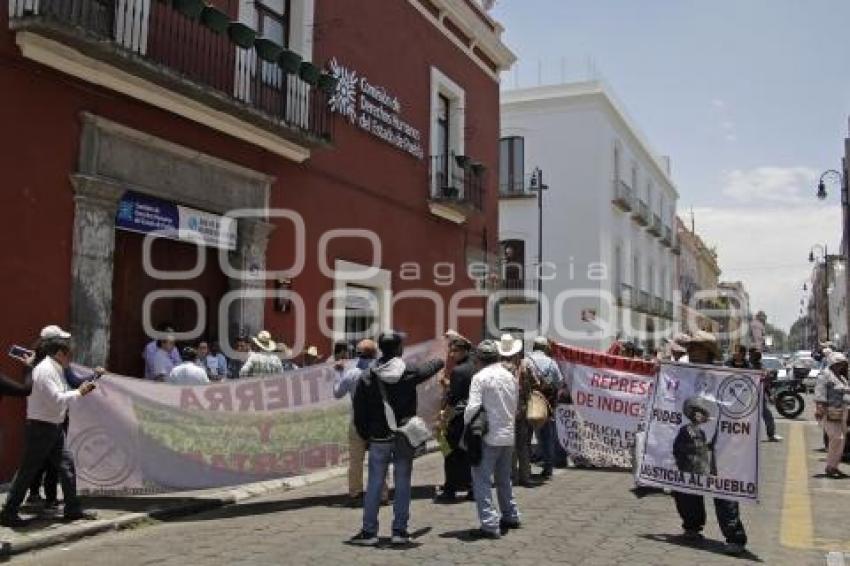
[840,177]
[538,186]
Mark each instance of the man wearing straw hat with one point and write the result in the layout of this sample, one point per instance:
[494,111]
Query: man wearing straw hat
[263,360]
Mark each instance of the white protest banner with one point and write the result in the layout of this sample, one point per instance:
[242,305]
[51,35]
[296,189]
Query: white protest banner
[609,394]
[702,432]
[138,436]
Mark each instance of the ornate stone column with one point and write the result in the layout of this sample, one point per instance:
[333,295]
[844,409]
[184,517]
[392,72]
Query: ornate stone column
[95,204]
[247,314]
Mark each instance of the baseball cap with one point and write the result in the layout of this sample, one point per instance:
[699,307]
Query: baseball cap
[53,331]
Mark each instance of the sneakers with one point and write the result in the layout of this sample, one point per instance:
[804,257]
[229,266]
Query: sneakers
[400,537]
[692,536]
[774,438]
[734,549]
[79,514]
[445,496]
[364,539]
[509,525]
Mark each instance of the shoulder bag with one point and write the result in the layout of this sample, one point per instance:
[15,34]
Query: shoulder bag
[415,431]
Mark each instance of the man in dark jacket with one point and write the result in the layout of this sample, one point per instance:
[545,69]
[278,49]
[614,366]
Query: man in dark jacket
[456,463]
[398,381]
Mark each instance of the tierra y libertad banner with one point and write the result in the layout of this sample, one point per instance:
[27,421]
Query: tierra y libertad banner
[137,436]
[609,395]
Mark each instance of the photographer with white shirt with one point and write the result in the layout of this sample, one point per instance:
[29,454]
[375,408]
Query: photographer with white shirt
[44,436]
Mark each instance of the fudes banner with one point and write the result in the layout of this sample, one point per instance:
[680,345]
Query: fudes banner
[702,432]
[609,394]
[137,436]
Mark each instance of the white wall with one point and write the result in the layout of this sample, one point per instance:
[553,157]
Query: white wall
[571,137]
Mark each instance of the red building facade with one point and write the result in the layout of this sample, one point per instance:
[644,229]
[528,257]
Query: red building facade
[120,112]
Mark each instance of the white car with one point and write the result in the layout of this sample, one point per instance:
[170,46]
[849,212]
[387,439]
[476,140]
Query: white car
[774,365]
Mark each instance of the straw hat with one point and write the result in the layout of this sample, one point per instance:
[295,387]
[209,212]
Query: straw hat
[263,340]
[509,346]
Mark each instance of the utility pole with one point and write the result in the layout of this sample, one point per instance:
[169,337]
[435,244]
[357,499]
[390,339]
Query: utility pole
[538,186]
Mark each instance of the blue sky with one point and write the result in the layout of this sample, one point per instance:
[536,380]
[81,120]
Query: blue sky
[750,98]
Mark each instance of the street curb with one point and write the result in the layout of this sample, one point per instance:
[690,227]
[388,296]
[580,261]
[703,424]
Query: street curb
[205,502]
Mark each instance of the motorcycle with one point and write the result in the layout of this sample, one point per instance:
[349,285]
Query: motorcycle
[787,397]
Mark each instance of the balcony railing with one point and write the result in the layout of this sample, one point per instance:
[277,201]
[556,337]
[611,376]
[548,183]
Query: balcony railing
[676,248]
[514,186]
[623,198]
[641,213]
[455,179]
[667,237]
[655,226]
[625,297]
[156,42]
[641,301]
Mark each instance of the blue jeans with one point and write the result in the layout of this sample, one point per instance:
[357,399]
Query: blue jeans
[495,461]
[547,436]
[381,454]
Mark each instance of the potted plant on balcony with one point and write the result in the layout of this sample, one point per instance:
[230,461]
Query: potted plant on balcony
[241,35]
[289,61]
[462,161]
[267,50]
[477,168]
[327,82]
[309,73]
[215,19]
[189,8]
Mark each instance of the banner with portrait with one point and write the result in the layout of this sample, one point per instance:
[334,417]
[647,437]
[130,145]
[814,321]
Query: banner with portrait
[702,434]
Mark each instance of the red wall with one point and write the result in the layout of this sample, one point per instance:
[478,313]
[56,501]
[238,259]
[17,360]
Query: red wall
[360,183]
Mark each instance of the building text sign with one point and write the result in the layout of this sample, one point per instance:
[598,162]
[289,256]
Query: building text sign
[144,214]
[373,109]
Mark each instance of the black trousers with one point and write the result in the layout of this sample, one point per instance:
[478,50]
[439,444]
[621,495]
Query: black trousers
[43,442]
[691,509]
[767,415]
[49,477]
[457,470]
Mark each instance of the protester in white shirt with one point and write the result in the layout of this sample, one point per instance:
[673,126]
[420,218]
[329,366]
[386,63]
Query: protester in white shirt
[188,372]
[494,390]
[47,406]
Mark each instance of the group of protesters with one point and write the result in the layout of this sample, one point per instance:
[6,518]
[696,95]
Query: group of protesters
[203,362]
[484,430]
[486,425]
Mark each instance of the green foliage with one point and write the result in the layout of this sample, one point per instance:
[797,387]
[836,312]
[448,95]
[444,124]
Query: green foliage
[241,433]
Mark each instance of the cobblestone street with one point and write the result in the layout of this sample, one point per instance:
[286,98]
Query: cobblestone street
[580,517]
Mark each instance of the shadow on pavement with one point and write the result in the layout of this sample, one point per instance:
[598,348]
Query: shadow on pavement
[707,545]
[38,518]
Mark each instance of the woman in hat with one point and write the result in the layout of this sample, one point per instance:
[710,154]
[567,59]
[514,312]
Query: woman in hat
[511,351]
[262,360]
[831,391]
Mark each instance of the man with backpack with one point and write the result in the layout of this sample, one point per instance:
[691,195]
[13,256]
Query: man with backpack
[549,375]
[385,401]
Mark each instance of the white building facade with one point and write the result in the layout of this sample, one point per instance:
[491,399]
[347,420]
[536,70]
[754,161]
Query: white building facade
[608,214]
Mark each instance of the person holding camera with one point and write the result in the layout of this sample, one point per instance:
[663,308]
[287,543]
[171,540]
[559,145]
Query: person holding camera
[44,436]
[384,402]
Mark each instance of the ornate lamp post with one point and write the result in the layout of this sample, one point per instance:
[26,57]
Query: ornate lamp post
[840,177]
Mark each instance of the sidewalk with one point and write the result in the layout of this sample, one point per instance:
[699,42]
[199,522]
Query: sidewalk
[126,512]
[115,513]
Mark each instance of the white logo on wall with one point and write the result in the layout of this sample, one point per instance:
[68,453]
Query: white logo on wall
[373,109]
